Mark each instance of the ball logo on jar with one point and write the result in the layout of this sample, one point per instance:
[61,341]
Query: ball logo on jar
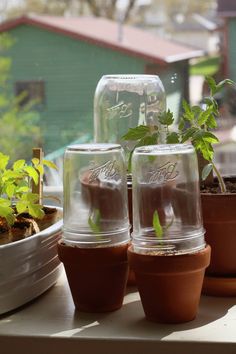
[164,173]
[108,170]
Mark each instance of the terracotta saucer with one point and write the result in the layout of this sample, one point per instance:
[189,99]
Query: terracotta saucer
[219,286]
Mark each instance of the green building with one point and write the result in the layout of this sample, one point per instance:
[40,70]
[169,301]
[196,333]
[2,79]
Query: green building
[58,61]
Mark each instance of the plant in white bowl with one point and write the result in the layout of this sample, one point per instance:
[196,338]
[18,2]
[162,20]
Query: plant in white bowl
[29,264]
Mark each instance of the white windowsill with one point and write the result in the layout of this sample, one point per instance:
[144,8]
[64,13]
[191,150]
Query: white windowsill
[50,324]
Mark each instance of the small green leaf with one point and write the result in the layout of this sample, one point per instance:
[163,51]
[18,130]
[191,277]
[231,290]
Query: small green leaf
[50,164]
[7,213]
[18,165]
[211,122]
[136,133]
[206,171]
[222,83]
[157,225]
[206,136]
[35,161]
[10,190]
[212,84]
[30,197]
[36,211]
[32,173]
[166,118]
[189,134]
[40,169]
[94,221]
[172,138]
[23,189]
[188,114]
[21,207]
[3,161]
[181,124]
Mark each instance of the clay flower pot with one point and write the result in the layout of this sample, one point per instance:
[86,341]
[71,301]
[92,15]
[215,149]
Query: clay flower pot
[168,253]
[170,286]
[96,227]
[219,219]
[97,276]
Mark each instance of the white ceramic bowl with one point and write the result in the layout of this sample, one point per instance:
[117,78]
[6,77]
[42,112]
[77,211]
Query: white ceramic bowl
[29,267]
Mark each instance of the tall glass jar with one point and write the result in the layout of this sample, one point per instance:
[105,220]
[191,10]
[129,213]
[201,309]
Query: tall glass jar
[126,101]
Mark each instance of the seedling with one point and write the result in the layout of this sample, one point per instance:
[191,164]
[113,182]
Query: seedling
[195,125]
[15,188]
[158,228]
[157,225]
[94,221]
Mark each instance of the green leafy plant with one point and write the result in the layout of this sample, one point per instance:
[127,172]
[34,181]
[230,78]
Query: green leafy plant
[15,188]
[195,125]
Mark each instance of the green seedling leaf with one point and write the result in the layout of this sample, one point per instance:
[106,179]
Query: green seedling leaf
[136,133]
[181,124]
[40,169]
[50,164]
[206,136]
[172,138]
[94,221]
[157,225]
[212,84]
[189,134]
[21,207]
[7,212]
[36,211]
[10,190]
[166,118]
[9,175]
[205,148]
[32,173]
[18,165]
[30,197]
[35,161]
[222,83]
[188,114]
[206,171]
[23,189]
[203,116]
[4,159]
[211,122]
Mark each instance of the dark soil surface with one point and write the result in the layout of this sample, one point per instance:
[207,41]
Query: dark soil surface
[215,188]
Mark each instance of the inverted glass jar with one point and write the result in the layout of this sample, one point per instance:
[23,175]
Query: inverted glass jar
[126,101]
[95,195]
[166,200]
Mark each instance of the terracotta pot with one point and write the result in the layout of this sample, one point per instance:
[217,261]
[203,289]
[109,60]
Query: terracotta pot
[170,286]
[219,218]
[97,276]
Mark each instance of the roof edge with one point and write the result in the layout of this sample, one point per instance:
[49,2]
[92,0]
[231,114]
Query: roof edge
[33,21]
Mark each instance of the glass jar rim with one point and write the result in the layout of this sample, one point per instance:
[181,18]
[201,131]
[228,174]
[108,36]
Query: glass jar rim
[93,147]
[164,149]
